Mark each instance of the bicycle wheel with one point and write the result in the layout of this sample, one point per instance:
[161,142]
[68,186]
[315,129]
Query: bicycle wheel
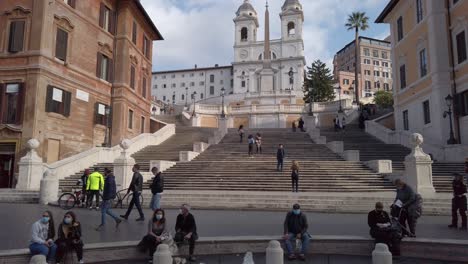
[118,201]
[129,198]
[67,201]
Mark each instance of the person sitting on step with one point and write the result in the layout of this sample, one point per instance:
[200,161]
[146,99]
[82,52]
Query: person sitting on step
[157,234]
[295,229]
[382,230]
[42,235]
[69,237]
[186,230]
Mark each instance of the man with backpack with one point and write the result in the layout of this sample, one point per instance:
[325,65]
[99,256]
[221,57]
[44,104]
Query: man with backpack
[157,187]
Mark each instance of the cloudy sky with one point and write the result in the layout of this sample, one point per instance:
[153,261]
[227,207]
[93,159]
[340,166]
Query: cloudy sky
[202,31]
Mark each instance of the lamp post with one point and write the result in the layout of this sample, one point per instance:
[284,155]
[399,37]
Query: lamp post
[223,114]
[340,110]
[186,93]
[449,102]
[193,101]
[311,100]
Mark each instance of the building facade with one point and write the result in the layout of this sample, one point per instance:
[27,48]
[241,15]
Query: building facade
[375,68]
[429,50]
[186,86]
[73,75]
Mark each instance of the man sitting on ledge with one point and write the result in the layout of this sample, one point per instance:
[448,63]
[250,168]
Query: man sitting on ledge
[382,230]
[295,228]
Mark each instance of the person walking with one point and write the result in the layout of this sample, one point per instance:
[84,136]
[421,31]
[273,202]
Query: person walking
[294,126]
[108,195]
[251,142]
[343,123]
[94,185]
[157,188]
[186,230]
[295,228]
[301,124]
[136,187]
[241,133]
[404,199]
[362,120]
[295,176]
[258,142]
[280,155]
[458,202]
[42,237]
[84,182]
[157,234]
[69,237]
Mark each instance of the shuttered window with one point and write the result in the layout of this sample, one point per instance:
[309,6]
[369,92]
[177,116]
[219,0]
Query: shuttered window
[134,33]
[400,28]
[61,44]
[107,19]
[70,3]
[132,77]
[130,119]
[16,40]
[58,101]
[146,47]
[143,88]
[461,47]
[12,103]
[402,77]
[142,125]
[104,67]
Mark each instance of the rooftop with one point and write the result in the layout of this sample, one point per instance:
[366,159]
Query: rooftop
[195,69]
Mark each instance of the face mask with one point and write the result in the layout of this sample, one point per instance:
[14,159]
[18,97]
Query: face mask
[67,220]
[180,211]
[158,217]
[45,219]
[297,211]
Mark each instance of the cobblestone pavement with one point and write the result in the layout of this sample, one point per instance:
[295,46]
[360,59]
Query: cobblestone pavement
[319,259]
[16,222]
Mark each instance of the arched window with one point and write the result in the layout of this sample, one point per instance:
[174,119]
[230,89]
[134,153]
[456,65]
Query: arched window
[291,28]
[244,34]
[273,56]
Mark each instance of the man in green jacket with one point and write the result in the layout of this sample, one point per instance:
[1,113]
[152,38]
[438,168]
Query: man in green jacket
[93,186]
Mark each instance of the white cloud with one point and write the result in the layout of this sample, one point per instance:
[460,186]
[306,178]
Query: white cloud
[202,31]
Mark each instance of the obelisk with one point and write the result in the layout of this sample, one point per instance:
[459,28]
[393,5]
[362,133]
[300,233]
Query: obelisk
[267,74]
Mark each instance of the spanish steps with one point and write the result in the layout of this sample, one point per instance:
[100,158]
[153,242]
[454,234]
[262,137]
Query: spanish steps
[227,166]
[371,148]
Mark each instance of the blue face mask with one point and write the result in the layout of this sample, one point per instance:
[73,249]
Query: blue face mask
[67,220]
[45,219]
[297,211]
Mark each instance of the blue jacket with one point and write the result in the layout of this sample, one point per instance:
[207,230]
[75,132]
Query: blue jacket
[110,189]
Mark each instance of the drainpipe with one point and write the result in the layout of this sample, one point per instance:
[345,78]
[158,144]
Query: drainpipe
[456,117]
[114,59]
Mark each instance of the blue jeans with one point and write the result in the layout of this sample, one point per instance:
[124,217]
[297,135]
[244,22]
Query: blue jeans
[156,201]
[292,238]
[135,202]
[279,165]
[41,249]
[106,209]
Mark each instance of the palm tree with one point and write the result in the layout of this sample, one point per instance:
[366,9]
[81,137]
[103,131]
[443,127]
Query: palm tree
[357,21]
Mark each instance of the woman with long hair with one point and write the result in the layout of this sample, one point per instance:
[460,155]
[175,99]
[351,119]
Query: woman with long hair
[69,237]
[157,233]
[295,176]
[42,237]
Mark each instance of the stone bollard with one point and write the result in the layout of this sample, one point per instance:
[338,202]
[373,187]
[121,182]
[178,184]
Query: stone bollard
[123,165]
[381,254]
[38,259]
[418,168]
[162,255]
[274,253]
[49,188]
[30,168]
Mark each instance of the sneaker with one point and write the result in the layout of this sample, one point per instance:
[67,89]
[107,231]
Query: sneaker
[81,262]
[463,228]
[150,261]
[90,208]
[124,217]
[97,208]
[99,228]
[192,259]
[117,223]
[452,226]
[291,257]
[140,219]
[302,257]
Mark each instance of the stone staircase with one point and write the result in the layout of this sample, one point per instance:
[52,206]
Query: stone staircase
[371,148]
[18,196]
[227,167]
[168,150]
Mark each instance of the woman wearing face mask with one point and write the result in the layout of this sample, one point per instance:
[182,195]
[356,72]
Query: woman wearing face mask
[69,237]
[43,233]
[157,233]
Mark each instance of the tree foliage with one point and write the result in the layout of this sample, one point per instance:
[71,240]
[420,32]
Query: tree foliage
[318,83]
[383,99]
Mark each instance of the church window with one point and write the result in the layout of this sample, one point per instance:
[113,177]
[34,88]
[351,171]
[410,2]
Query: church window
[243,84]
[244,34]
[211,90]
[291,29]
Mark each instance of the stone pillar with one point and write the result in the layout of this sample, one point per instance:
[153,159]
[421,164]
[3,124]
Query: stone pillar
[123,166]
[200,146]
[49,188]
[381,254]
[310,122]
[223,125]
[418,168]
[195,121]
[282,120]
[30,168]
[274,253]
[162,255]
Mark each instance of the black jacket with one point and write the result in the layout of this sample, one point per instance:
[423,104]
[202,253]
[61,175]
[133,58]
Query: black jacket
[137,183]
[280,154]
[295,224]
[459,188]
[110,189]
[374,218]
[84,180]
[186,224]
[75,233]
[158,184]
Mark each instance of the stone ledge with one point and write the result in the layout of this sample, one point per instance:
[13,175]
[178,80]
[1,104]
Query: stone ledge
[436,249]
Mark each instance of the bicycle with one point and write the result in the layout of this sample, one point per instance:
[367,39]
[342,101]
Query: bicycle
[124,199]
[69,200]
